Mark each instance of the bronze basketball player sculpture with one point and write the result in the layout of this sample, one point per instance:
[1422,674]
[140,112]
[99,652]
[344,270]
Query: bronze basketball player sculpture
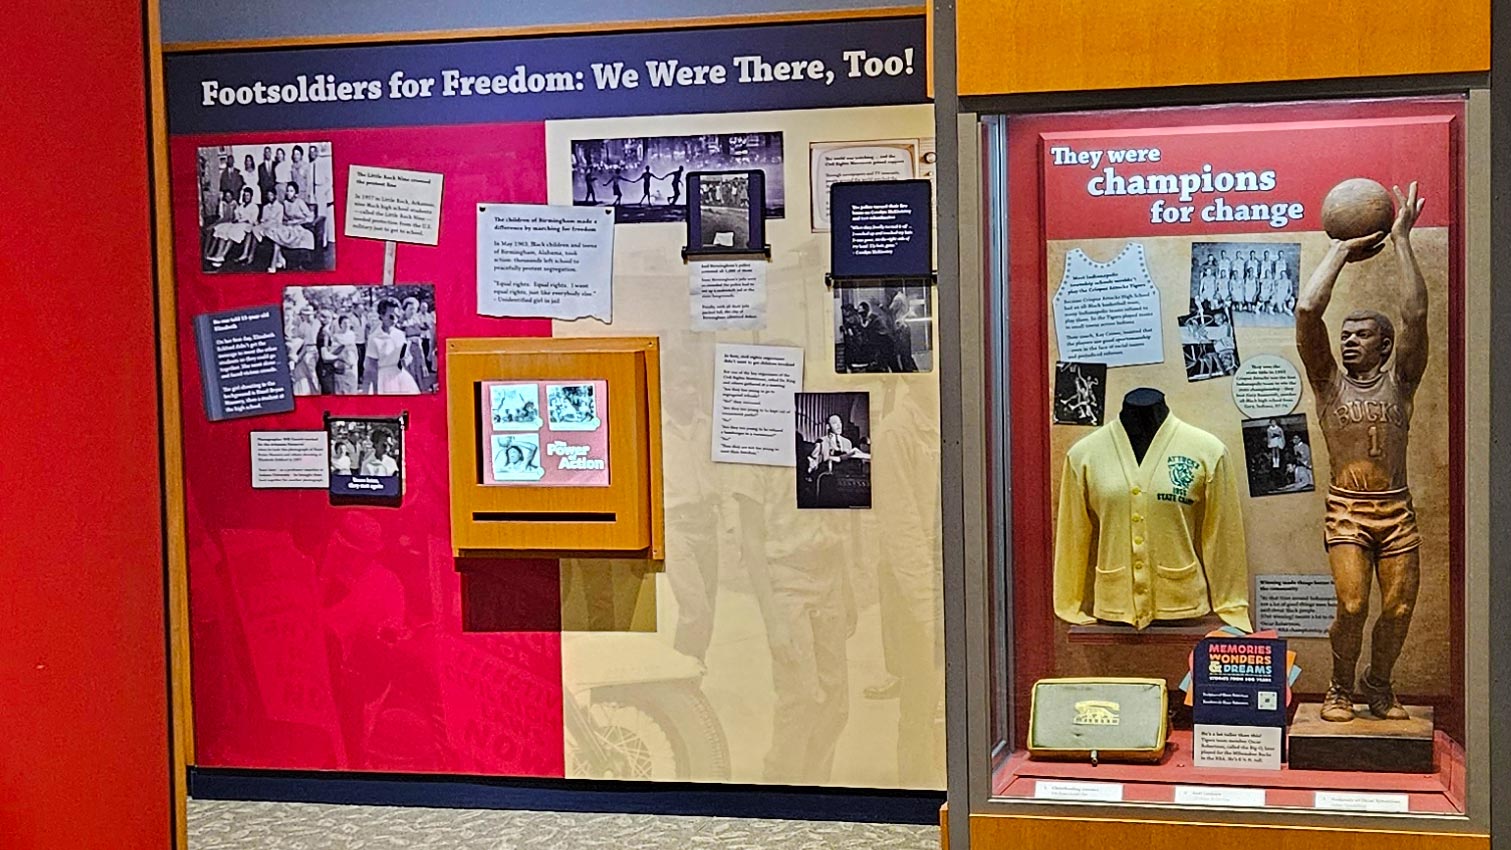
[1365,409]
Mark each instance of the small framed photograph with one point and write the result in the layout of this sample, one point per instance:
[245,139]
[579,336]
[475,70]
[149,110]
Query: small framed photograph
[1256,281]
[1278,454]
[366,459]
[1207,343]
[514,407]
[267,206]
[726,213]
[516,457]
[1080,393]
[573,407]
[885,327]
[361,339]
[833,449]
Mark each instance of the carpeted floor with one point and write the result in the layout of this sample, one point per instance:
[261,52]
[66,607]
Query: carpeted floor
[216,825]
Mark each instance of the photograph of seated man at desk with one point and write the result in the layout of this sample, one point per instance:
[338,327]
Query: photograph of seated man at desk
[833,450]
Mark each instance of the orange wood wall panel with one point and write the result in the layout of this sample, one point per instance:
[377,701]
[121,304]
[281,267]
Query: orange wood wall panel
[1017,46]
[1006,832]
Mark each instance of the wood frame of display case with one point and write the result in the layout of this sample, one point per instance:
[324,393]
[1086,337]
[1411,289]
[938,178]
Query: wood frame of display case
[976,547]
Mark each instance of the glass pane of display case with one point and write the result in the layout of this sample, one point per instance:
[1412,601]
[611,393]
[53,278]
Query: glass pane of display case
[1230,572]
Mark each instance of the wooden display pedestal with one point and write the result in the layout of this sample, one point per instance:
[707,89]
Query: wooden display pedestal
[1364,743]
[1183,632]
[1287,794]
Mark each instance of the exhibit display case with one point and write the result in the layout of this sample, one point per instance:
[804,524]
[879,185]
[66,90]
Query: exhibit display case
[1228,561]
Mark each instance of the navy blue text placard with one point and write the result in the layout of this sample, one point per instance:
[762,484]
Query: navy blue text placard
[1239,682]
[882,229]
[243,363]
[872,62]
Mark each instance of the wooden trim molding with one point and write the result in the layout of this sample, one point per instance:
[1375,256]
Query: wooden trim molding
[991,832]
[541,30]
[181,712]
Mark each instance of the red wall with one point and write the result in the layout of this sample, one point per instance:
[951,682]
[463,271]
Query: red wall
[83,678]
[331,638]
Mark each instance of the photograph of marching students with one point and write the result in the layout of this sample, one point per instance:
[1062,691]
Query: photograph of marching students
[724,212]
[1080,393]
[1257,280]
[883,329]
[1278,453]
[644,178]
[361,340]
[267,207]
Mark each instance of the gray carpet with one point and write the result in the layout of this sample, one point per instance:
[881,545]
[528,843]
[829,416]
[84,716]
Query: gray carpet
[215,825]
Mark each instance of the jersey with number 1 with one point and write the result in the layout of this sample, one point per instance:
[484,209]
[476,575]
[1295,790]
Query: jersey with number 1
[1366,424]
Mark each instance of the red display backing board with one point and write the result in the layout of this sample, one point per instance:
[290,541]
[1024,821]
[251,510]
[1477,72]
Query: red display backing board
[331,637]
[1438,793]
[1058,202]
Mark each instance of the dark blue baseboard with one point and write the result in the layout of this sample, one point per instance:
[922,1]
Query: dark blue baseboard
[563,795]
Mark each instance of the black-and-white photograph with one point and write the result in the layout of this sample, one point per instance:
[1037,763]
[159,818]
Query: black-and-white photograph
[1278,454]
[572,407]
[644,177]
[516,457]
[1256,280]
[366,457]
[1208,344]
[1080,393]
[883,329]
[833,450]
[267,207]
[514,407]
[724,218]
[372,339]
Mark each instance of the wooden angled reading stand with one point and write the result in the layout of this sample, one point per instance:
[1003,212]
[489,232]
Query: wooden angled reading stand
[623,519]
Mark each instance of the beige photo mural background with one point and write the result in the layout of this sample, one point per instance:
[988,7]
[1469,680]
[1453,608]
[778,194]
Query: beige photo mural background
[856,594]
[1284,531]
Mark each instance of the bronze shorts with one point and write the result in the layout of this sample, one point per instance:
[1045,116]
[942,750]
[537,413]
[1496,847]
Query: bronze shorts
[1384,523]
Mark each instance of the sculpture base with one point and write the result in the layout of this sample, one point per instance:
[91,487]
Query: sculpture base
[1364,743]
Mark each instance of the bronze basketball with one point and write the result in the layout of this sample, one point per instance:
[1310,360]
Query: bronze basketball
[1355,208]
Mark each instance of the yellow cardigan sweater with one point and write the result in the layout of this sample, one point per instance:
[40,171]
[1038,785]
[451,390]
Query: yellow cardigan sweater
[1158,540]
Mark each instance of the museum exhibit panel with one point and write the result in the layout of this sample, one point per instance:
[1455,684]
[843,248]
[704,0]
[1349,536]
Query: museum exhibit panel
[521,433]
[1223,553]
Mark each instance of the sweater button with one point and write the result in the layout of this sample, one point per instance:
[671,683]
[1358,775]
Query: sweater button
[1135,491]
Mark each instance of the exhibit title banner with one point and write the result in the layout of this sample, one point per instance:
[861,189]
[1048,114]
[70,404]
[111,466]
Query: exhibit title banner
[1268,178]
[745,69]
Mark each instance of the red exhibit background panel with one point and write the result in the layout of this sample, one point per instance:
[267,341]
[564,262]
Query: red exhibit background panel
[331,637]
[84,759]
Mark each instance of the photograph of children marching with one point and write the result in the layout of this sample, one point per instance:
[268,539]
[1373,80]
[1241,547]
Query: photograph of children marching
[644,178]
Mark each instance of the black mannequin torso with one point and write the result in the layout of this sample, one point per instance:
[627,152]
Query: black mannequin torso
[1144,410]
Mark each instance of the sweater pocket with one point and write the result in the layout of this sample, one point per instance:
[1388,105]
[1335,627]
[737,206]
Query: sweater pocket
[1179,591]
[1112,593]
